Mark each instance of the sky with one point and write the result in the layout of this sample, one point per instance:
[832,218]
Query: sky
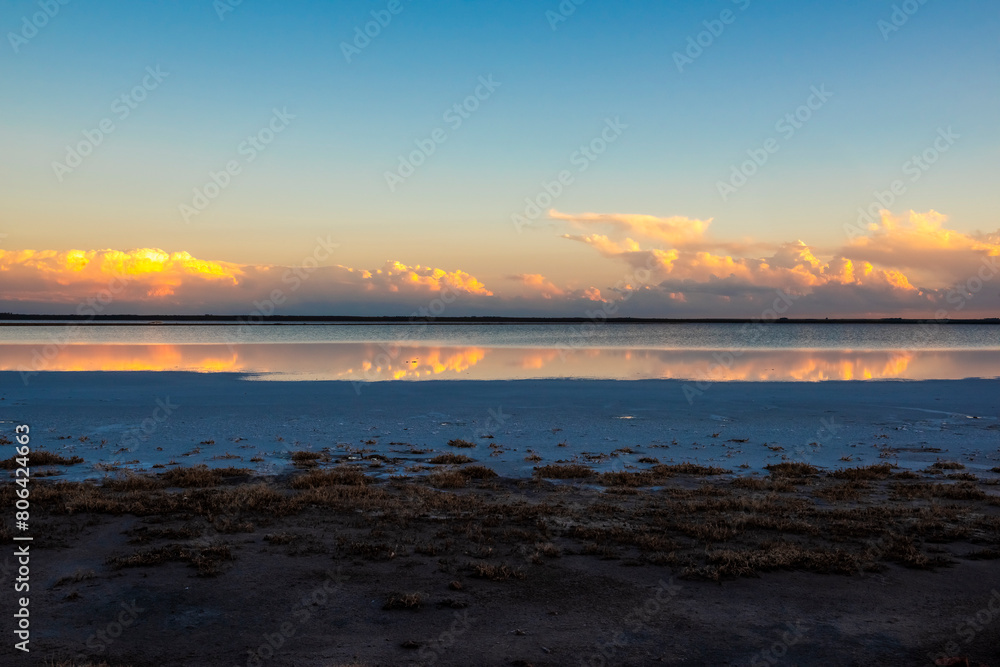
[582,158]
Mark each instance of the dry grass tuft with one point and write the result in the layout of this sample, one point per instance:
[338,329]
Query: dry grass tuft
[947,465]
[564,471]
[40,457]
[458,442]
[501,572]
[478,472]
[689,469]
[76,577]
[792,469]
[447,479]
[410,601]
[959,491]
[851,490]
[305,459]
[132,482]
[455,459]
[320,478]
[207,559]
[200,476]
[875,471]
[768,484]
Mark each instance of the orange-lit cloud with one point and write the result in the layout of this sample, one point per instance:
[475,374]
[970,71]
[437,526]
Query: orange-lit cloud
[923,245]
[676,230]
[149,279]
[539,284]
[909,265]
[902,264]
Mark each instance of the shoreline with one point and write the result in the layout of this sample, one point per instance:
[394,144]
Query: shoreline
[167,320]
[136,420]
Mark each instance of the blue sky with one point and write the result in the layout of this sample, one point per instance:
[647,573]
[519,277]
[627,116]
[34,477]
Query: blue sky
[891,93]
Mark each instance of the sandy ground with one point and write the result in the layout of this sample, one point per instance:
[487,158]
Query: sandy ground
[137,420]
[311,586]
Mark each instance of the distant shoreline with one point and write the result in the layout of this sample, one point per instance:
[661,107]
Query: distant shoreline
[9,319]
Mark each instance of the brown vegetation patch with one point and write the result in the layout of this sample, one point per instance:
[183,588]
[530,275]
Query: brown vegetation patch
[458,442]
[564,471]
[40,457]
[449,458]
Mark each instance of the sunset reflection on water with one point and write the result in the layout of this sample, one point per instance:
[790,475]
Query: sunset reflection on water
[377,361]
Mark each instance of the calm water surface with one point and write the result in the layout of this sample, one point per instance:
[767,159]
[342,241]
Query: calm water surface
[716,352]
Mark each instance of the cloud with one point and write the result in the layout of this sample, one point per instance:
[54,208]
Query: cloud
[538,284]
[907,265]
[923,245]
[152,280]
[903,265]
[676,230]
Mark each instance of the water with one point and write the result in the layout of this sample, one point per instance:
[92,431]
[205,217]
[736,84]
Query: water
[368,352]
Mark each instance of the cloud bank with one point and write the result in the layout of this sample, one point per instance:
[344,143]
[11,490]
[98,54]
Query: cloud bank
[908,265]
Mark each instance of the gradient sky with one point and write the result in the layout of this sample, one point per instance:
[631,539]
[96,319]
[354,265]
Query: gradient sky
[650,202]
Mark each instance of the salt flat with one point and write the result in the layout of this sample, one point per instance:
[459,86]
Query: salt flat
[138,420]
